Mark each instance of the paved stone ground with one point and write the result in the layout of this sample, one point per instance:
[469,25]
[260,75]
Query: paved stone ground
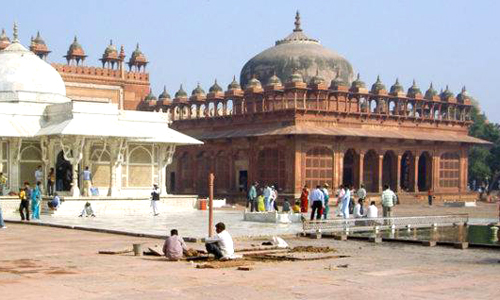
[194,223]
[51,263]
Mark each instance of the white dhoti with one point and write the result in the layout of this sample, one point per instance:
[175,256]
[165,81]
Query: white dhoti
[154,205]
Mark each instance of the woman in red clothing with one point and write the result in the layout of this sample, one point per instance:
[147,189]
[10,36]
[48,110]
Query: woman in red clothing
[304,199]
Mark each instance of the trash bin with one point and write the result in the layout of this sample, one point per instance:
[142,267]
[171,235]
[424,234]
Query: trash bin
[137,249]
[203,204]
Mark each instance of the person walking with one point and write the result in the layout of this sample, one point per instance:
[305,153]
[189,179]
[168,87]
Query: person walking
[304,199]
[3,184]
[430,196]
[345,201]
[36,196]
[24,206]
[326,195]
[267,197]
[318,203]
[252,197]
[51,180]
[388,199]
[155,197]
[87,182]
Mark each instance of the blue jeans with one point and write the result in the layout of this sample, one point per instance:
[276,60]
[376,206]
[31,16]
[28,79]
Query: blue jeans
[266,203]
[2,224]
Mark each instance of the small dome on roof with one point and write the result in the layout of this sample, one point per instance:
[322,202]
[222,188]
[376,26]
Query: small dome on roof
[463,95]
[254,82]
[164,94]
[296,77]
[446,94]
[75,46]
[378,86]
[180,93]
[38,40]
[234,85]
[336,82]
[317,79]
[430,93]
[150,96]
[110,49]
[358,83]
[397,87]
[274,80]
[215,88]
[413,90]
[198,91]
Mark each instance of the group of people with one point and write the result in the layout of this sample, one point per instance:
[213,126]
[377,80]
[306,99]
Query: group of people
[265,199]
[318,201]
[28,196]
[221,245]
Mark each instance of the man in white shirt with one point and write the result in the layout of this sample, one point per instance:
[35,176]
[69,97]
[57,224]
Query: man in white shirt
[221,245]
[372,211]
[87,182]
[317,202]
[358,209]
[155,197]
[388,200]
[345,202]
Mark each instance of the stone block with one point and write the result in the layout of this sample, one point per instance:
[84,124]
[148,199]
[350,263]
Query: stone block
[340,237]
[461,245]
[429,243]
[375,239]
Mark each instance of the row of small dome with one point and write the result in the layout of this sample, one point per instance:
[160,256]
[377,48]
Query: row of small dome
[75,50]
[396,89]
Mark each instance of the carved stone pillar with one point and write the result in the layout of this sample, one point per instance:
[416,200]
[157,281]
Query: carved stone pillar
[14,168]
[398,173]
[415,177]
[45,147]
[380,169]
[338,162]
[73,152]
[165,156]
[361,167]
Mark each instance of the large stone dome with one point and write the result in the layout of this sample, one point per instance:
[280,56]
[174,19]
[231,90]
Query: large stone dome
[297,52]
[22,71]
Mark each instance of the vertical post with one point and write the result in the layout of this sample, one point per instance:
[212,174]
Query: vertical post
[210,203]
[380,171]
[361,166]
[398,173]
[415,178]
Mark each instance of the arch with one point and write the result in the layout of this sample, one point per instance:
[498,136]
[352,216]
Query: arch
[363,105]
[407,172]
[202,111]
[389,169]
[211,109]
[271,167]
[409,109]
[373,106]
[140,167]
[319,166]
[424,171]
[392,108]
[64,173]
[203,168]
[449,170]
[370,171]
[350,173]
[222,180]
[229,107]
[100,168]
[220,109]
[30,159]
[193,109]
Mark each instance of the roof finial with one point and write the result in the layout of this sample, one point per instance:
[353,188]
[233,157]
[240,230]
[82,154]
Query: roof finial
[297,22]
[15,34]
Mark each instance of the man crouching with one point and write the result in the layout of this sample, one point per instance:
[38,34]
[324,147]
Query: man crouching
[222,244]
[174,246]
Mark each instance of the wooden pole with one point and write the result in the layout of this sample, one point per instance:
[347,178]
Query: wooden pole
[210,203]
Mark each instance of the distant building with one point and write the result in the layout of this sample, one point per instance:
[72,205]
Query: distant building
[300,117]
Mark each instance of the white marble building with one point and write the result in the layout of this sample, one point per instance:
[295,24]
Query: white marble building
[126,151]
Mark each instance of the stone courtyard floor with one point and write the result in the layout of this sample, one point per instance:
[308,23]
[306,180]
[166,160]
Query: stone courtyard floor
[193,223]
[52,263]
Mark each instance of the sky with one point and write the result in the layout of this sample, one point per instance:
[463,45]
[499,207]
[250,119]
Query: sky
[452,42]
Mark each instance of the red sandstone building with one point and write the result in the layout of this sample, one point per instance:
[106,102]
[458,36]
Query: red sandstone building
[300,118]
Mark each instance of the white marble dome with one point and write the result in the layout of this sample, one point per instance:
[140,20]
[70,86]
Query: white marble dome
[22,71]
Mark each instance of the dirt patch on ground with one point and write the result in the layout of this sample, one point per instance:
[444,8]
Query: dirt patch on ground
[223,264]
[312,249]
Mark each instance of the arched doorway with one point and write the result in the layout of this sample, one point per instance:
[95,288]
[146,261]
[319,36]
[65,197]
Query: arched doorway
[351,168]
[389,170]
[64,173]
[424,171]
[407,171]
[370,171]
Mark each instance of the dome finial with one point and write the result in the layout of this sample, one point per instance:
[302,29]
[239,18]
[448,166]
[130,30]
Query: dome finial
[15,35]
[297,22]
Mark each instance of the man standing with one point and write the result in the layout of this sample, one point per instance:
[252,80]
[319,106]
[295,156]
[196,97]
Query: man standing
[267,197]
[174,246]
[221,245]
[252,197]
[87,182]
[155,196]
[24,206]
[326,195]
[318,202]
[430,196]
[345,201]
[388,199]
[3,184]
[361,193]
[39,176]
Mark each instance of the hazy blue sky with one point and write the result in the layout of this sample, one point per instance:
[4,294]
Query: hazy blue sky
[447,42]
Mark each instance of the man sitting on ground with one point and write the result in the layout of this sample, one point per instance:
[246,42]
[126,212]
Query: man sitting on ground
[221,245]
[55,202]
[359,209]
[174,246]
[87,210]
[286,206]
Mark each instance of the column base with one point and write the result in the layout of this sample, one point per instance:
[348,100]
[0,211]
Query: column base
[75,192]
